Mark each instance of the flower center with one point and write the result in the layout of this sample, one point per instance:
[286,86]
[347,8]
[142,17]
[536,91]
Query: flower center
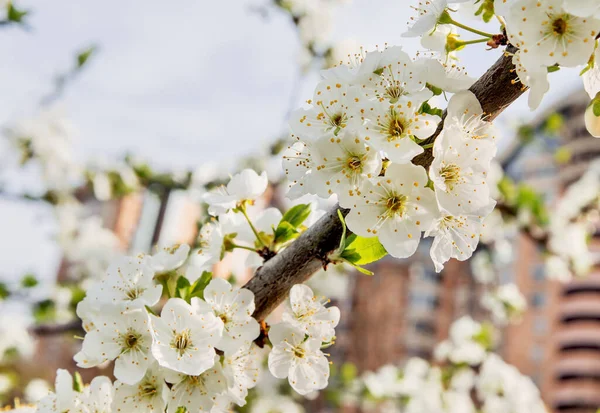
[181,341]
[224,318]
[394,92]
[396,205]
[147,389]
[299,352]
[395,126]
[131,340]
[451,174]
[354,162]
[134,293]
[559,26]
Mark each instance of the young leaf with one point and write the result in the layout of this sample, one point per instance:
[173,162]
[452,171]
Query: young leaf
[183,288]
[297,215]
[197,288]
[361,250]
[285,232]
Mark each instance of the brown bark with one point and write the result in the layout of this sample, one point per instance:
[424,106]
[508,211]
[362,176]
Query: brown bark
[496,90]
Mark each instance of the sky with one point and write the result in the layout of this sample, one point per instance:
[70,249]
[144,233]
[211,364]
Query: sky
[177,83]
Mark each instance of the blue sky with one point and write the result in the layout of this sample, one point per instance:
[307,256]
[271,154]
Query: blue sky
[177,83]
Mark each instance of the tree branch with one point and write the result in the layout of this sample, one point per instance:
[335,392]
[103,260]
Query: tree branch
[495,90]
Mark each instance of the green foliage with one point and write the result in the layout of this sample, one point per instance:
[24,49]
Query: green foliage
[426,108]
[554,123]
[181,409]
[362,251]
[44,311]
[290,225]
[356,250]
[528,198]
[77,382]
[297,215]
[485,337]
[486,10]
[436,90]
[15,15]
[552,69]
[4,292]
[84,56]
[198,287]
[526,133]
[29,281]
[562,155]
[596,107]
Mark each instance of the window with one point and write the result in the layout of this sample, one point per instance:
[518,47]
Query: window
[538,299]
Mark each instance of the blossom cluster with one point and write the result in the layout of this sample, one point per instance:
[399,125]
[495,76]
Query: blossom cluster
[452,386]
[197,352]
[307,326]
[361,136]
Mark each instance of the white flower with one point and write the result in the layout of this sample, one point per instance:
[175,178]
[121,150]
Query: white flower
[396,208]
[169,258]
[429,12]
[149,395]
[502,7]
[276,404]
[465,111]
[506,303]
[241,370]
[36,390]
[393,128]
[459,171]
[210,250]
[534,76]
[65,399]
[446,76]
[329,112]
[385,382]
[548,35]
[456,236]
[234,308]
[184,340]
[557,268]
[297,163]
[437,41]
[307,313]
[123,336]
[129,281]
[197,393]
[245,187]
[391,75]
[298,359]
[343,163]
[591,78]
[98,396]
[582,8]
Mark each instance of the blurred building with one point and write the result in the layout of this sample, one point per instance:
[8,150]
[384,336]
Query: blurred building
[558,342]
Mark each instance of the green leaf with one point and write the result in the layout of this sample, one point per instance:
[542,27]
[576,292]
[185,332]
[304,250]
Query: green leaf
[198,287]
[44,311]
[183,288]
[552,69]
[363,270]
[343,239]
[85,55]
[77,382]
[181,409]
[596,108]
[285,232]
[3,291]
[29,281]
[436,90]
[150,310]
[297,215]
[426,108]
[361,250]
[15,15]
